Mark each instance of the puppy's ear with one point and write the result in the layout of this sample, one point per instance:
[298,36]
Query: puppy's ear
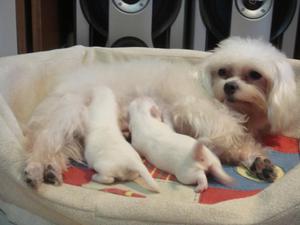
[198,152]
[201,155]
[155,112]
[282,97]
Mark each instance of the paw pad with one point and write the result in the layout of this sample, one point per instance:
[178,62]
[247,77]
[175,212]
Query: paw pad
[263,169]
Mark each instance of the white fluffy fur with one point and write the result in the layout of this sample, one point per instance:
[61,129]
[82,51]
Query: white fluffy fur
[250,54]
[60,123]
[106,150]
[174,153]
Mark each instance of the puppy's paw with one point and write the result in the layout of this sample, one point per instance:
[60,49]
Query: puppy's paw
[263,169]
[202,183]
[201,187]
[52,175]
[33,174]
[103,179]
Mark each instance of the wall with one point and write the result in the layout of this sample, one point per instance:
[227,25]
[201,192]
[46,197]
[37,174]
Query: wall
[8,30]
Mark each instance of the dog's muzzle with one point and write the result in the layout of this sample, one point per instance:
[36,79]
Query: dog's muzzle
[230,88]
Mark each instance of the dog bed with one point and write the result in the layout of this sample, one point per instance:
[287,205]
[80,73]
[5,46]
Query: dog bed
[80,201]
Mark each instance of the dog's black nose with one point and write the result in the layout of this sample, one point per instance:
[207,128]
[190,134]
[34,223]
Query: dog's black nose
[230,88]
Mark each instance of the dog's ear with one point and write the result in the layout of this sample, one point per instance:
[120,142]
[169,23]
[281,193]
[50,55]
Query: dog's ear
[282,97]
[204,76]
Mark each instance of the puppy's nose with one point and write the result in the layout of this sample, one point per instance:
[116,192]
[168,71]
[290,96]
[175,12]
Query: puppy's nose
[230,88]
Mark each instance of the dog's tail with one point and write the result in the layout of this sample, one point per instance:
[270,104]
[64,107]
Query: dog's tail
[142,170]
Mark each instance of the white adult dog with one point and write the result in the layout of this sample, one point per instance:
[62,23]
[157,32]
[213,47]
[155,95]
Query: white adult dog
[59,127]
[178,154]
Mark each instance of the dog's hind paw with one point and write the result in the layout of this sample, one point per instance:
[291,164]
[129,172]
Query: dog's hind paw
[52,175]
[263,169]
[33,174]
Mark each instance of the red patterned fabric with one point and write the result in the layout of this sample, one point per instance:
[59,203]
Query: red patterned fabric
[215,195]
[284,152]
[282,144]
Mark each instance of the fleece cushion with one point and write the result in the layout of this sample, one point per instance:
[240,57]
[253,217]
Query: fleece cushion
[80,201]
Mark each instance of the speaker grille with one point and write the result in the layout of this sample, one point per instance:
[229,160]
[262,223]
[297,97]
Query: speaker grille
[164,14]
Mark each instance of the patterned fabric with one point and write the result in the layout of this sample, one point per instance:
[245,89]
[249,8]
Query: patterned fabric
[283,151]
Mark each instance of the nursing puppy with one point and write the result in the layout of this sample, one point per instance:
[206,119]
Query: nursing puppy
[112,157]
[174,153]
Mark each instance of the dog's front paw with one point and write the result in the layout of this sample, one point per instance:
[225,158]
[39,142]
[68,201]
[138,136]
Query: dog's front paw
[33,174]
[52,175]
[263,169]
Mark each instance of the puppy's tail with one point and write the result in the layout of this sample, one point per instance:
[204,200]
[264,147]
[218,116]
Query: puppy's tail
[219,173]
[211,164]
[142,170]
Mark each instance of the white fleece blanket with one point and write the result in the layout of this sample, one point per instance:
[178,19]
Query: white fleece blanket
[278,204]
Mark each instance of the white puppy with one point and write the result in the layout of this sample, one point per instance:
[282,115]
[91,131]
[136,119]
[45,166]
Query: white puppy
[107,152]
[174,153]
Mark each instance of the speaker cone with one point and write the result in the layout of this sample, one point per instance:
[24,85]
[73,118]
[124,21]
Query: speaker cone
[163,16]
[129,42]
[253,9]
[131,6]
[216,16]
[283,13]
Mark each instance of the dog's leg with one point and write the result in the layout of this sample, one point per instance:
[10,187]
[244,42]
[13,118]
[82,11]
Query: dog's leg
[222,132]
[203,119]
[44,164]
[34,174]
[251,155]
[52,129]
[264,169]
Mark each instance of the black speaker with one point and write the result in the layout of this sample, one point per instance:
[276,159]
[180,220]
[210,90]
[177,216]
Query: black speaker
[273,20]
[297,47]
[123,23]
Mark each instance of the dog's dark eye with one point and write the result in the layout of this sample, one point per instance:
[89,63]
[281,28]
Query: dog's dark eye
[254,75]
[223,73]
